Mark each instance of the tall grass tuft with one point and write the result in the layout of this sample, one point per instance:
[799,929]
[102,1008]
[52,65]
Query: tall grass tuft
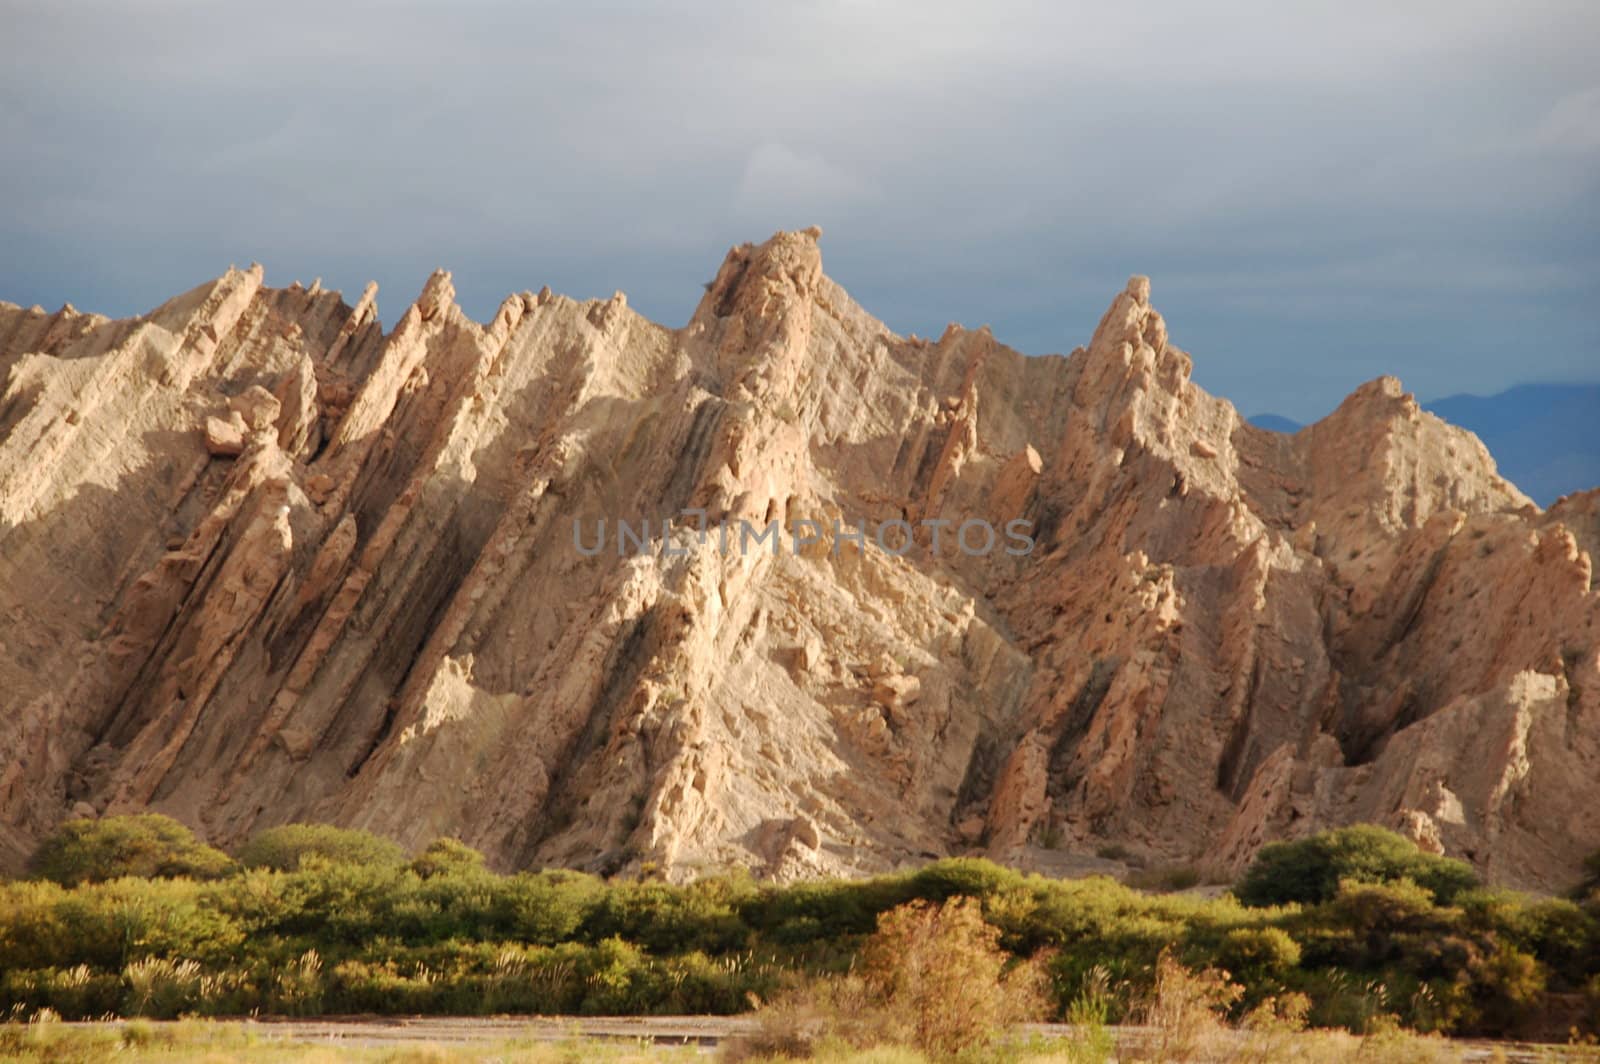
[160,988]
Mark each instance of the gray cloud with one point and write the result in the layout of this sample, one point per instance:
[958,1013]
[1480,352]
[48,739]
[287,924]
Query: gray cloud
[1321,192]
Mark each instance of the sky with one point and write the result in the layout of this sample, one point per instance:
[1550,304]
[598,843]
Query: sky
[1320,192]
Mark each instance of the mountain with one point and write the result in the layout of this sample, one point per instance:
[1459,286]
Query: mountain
[1275,423]
[262,562]
[1542,436]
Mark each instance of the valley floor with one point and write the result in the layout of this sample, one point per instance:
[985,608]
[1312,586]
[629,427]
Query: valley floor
[625,1039]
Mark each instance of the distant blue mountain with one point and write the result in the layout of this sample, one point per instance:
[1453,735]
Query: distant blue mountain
[1545,438]
[1275,422]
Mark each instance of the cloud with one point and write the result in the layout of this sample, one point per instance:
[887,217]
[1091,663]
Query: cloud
[1573,124]
[778,180]
[1009,163]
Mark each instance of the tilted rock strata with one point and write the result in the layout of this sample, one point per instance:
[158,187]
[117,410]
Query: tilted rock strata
[261,562]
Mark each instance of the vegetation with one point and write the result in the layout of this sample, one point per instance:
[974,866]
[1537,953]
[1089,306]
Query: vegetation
[205,1042]
[320,922]
[149,846]
[208,1042]
[286,848]
[1313,870]
[1591,877]
[933,976]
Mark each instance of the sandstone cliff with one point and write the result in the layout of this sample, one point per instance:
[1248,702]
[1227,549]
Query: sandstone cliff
[261,561]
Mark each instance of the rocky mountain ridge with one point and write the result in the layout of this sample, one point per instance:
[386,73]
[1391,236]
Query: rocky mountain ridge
[261,562]
[1539,434]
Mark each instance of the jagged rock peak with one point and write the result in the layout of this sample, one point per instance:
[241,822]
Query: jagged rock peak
[262,562]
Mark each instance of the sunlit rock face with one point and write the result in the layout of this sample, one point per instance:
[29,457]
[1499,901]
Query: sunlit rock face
[261,561]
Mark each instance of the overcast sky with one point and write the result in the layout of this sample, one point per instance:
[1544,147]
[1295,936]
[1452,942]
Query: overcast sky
[1320,192]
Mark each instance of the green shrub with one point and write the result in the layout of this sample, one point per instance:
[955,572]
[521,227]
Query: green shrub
[1565,936]
[284,848]
[1310,870]
[360,986]
[1509,985]
[1377,926]
[973,877]
[1589,885]
[1259,955]
[105,925]
[1096,921]
[703,915]
[342,903]
[445,935]
[447,857]
[825,910]
[544,908]
[615,977]
[147,845]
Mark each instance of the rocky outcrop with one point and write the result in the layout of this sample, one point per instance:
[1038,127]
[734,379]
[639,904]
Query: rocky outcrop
[261,561]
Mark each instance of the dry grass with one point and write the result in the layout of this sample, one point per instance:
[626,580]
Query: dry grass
[216,1042]
[1271,1035]
[935,986]
[932,977]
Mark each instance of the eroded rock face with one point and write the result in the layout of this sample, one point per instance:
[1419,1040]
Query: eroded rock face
[261,562]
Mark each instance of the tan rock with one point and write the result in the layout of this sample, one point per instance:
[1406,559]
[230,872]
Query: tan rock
[225,439]
[258,407]
[319,486]
[1222,636]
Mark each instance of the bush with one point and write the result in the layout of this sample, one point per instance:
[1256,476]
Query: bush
[825,910]
[148,845]
[284,848]
[904,957]
[932,976]
[674,919]
[942,976]
[448,857]
[344,904]
[804,1018]
[1099,922]
[1259,955]
[1510,984]
[1310,870]
[106,925]
[1186,1009]
[1564,936]
[544,908]
[973,877]
[1589,885]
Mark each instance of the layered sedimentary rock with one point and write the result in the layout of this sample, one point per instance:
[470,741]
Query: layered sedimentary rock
[261,561]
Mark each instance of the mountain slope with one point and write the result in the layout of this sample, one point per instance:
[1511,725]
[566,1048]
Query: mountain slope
[261,562]
[1542,436]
